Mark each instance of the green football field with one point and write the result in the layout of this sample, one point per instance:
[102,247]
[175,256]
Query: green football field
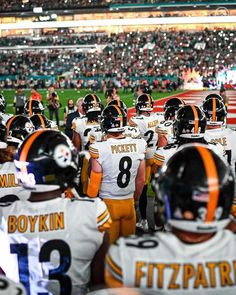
[128,97]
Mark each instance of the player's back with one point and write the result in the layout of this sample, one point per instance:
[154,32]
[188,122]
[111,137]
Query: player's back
[120,159]
[52,243]
[147,126]
[162,262]
[9,184]
[83,127]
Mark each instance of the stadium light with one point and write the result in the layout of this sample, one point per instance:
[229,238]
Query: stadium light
[119,22]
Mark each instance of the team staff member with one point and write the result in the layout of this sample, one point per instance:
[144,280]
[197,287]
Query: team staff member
[194,194]
[48,243]
[70,117]
[19,101]
[117,172]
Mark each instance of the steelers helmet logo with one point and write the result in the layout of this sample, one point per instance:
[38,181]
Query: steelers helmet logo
[29,127]
[62,155]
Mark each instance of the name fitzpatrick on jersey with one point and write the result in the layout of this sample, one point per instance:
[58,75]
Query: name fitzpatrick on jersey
[123,148]
[186,275]
[39,223]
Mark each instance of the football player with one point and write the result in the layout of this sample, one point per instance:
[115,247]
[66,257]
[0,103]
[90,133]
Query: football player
[189,126]
[194,193]
[165,128]
[9,188]
[33,107]
[92,108]
[216,131]
[3,105]
[146,120]
[42,122]
[117,172]
[52,245]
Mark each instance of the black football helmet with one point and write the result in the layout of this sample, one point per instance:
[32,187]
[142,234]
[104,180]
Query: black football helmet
[171,106]
[33,107]
[190,123]
[3,134]
[194,190]
[92,106]
[144,103]
[215,111]
[40,122]
[113,119]
[118,103]
[46,160]
[18,127]
[213,95]
[3,104]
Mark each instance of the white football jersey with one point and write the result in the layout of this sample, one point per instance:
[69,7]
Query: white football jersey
[162,154]
[8,287]
[166,128]
[48,246]
[9,182]
[81,126]
[163,263]
[147,127]
[120,159]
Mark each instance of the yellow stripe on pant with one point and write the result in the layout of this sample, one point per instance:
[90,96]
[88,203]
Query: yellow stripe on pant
[123,217]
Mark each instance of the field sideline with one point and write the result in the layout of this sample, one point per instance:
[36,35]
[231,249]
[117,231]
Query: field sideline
[128,97]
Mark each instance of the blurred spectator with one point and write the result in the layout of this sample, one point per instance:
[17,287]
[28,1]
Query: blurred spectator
[72,116]
[53,105]
[35,95]
[69,108]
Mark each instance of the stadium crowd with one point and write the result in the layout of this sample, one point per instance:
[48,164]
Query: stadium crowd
[154,54]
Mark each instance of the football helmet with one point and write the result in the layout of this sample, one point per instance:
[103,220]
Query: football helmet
[46,160]
[190,123]
[144,102]
[113,119]
[40,122]
[33,107]
[194,190]
[3,134]
[3,104]
[171,106]
[214,95]
[118,103]
[92,106]
[215,111]
[18,127]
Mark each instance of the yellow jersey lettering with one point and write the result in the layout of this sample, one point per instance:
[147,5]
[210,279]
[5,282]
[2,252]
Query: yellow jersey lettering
[11,225]
[32,221]
[160,267]
[200,278]
[175,267]
[42,222]
[59,221]
[150,275]
[22,223]
[211,266]
[153,124]
[222,141]
[8,180]
[188,273]
[225,270]
[123,148]
[139,274]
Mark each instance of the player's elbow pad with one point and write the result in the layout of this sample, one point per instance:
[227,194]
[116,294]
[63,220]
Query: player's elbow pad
[94,184]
